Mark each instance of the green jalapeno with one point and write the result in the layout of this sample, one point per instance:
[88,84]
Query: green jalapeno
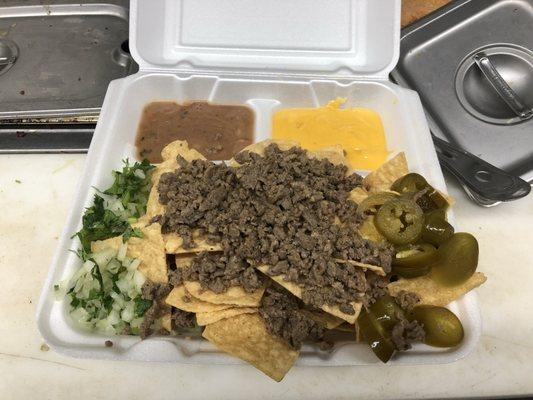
[414,261]
[412,184]
[375,335]
[436,229]
[442,327]
[373,202]
[376,326]
[400,221]
[419,255]
[457,259]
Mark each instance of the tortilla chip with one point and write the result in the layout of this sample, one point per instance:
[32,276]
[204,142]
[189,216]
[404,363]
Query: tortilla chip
[235,295]
[174,244]
[297,291]
[246,337]
[206,318]
[369,231]
[149,249]
[432,293]
[180,148]
[358,195]
[383,177]
[169,164]
[374,268]
[259,147]
[328,320]
[334,154]
[177,298]
[183,260]
[166,322]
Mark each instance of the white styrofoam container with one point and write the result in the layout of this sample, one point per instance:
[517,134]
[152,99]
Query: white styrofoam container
[269,55]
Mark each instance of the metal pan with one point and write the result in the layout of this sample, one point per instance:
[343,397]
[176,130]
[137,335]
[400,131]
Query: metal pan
[472,64]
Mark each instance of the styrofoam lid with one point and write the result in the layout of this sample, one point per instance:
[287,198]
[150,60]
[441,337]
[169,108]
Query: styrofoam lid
[304,37]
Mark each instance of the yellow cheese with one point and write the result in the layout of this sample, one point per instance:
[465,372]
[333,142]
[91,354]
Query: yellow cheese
[358,130]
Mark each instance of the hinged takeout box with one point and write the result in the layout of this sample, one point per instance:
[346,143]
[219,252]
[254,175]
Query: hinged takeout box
[267,55]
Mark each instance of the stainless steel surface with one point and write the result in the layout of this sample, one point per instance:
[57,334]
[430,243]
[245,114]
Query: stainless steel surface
[434,50]
[45,139]
[483,181]
[68,54]
[9,53]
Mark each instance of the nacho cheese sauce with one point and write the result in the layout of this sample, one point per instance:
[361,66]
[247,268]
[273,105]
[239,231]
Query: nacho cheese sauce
[358,130]
[217,131]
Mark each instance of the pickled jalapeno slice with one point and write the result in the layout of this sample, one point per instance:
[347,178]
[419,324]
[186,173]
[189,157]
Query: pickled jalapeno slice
[436,229]
[400,221]
[373,202]
[457,260]
[415,185]
[419,255]
[442,327]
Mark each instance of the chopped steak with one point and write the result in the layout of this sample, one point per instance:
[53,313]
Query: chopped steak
[156,293]
[407,300]
[175,277]
[284,210]
[283,318]
[376,287]
[217,272]
[182,319]
[404,333]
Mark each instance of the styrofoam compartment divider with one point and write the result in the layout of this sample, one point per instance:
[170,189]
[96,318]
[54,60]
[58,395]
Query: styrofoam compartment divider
[114,139]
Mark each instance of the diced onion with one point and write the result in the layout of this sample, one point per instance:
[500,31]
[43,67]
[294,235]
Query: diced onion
[103,309]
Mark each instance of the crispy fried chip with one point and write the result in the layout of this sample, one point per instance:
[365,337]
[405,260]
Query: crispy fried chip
[184,260]
[169,164]
[358,194]
[297,291]
[149,249]
[383,177]
[432,293]
[206,318]
[260,147]
[334,154]
[328,320]
[180,298]
[369,231]
[180,148]
[174,244]
[246,337]
[374,268]
[166,322]
[235,295]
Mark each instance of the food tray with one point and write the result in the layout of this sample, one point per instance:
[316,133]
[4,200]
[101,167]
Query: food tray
[366,85]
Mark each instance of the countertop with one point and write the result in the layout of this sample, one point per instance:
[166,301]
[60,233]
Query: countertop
[35,195]
[413,10]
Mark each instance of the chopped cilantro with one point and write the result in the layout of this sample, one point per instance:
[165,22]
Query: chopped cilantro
[131,186]
[141,306]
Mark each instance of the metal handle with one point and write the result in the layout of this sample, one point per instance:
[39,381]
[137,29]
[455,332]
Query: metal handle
[501,87]
[483,179]
[6,61]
